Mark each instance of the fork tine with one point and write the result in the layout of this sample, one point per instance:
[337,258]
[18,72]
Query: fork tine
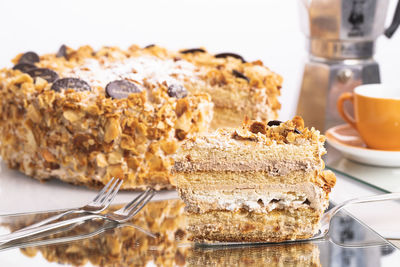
[106,195]
[103,190]
[133,210]
[133,202]
[114,193]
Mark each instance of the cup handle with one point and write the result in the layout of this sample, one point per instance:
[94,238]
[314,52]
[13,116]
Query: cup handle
[342,98]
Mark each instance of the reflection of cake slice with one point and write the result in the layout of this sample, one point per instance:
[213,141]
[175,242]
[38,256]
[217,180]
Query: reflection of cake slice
[306,254]
[126,246]
[258,183]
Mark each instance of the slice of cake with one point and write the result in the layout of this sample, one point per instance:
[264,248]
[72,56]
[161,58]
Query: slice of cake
[282,255]
[262,182]
[84,116]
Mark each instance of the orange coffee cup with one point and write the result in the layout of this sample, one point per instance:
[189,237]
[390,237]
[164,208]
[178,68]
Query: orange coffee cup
[376,115]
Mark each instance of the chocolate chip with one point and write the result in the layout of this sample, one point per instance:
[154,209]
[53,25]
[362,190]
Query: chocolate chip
[225,55]
[70,83]
[179,234]
[307,202]
[62,51]
[238,74]
[296,131]
[29,57]
[192,50]
[150,46]
[177,91]
[47,74]
[258,127]
[274,123]
[24,67]
[180,134]
[121,89]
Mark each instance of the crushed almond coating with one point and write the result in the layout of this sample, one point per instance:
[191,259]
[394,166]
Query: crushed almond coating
[87,138]
[289,132]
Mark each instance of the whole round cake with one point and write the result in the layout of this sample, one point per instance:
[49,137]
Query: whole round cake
[84,116]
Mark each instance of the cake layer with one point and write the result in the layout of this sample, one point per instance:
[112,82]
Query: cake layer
[244,226]
[262,199]
[228,150]
[226,117]
[246,178]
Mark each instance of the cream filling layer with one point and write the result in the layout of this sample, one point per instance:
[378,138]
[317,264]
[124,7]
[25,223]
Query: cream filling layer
[263,200]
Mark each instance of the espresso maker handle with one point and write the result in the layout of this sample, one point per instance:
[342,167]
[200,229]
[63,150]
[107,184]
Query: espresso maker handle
[395,22]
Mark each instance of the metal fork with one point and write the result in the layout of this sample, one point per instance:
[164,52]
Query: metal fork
[327,217]
[122,215]
[102,201]
[29,242]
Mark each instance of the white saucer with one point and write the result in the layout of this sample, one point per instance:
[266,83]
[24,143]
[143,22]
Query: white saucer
[346,139]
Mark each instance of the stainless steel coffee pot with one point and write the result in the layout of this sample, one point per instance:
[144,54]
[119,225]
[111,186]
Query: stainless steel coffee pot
[341,38]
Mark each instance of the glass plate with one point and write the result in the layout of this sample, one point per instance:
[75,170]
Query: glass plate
[157,236]
[386,179]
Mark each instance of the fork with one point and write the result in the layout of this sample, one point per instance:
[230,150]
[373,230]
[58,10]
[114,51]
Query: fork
[327,217]
[102,201]
[122,215]
[29,242]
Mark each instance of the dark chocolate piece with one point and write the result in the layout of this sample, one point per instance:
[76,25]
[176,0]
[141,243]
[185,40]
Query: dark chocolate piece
[296,131]
[192,50]
[121,89]
[274,123]
[258,127]
[29,57]
[24,67]
[47,74]
[238,74]
[177,91]
[149,46]
[62,52]
[70,83]
[225,55]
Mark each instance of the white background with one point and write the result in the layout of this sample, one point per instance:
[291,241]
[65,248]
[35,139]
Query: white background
[257,29]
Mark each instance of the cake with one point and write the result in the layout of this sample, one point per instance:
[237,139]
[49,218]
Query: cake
[259,183]
[84,116]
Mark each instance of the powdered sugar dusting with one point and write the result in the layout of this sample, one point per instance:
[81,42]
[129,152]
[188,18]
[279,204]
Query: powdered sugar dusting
[139,69]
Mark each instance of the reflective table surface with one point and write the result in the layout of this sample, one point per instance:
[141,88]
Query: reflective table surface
[157,237]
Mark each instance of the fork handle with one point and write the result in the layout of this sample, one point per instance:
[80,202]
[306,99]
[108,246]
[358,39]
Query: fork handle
[29,232]
[50,219]
[377,198]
